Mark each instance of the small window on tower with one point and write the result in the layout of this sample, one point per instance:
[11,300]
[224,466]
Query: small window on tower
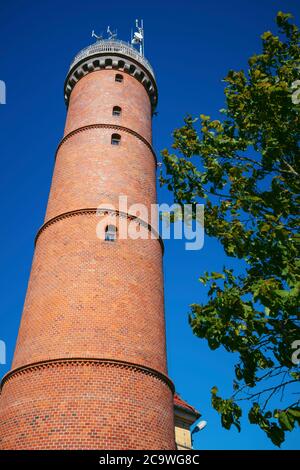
[117,111]
[119,78]
[115,139]
[110,233]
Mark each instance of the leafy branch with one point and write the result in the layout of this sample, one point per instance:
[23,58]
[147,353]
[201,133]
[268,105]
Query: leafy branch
[246,168]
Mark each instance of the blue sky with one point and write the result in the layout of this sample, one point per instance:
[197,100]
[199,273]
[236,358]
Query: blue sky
[191,45]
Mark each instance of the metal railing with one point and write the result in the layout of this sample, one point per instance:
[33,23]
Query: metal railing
[113,46]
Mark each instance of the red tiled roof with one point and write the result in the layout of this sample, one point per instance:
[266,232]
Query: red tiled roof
[178,401]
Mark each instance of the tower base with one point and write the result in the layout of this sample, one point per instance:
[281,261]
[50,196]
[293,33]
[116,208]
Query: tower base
[86,404]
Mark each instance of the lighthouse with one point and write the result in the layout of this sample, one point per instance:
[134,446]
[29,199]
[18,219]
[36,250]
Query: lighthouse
[89,369]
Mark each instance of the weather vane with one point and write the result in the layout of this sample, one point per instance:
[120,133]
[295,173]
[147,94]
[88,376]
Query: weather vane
[94,35]
[111,34]
[138,36]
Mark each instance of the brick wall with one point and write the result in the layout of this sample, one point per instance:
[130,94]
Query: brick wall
[89,370]
[86,406]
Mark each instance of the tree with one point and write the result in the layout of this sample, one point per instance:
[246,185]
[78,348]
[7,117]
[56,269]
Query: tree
[246,168]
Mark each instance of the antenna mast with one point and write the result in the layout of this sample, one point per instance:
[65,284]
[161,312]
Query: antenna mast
[138,36]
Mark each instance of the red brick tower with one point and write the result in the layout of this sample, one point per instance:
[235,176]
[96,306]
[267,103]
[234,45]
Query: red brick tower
[89,370]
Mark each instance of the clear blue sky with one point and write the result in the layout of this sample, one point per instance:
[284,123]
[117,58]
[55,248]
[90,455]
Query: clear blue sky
[191,45]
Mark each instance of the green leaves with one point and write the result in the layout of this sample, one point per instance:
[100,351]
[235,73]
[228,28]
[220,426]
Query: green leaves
[263,419]
[246,169]
[286,421]
[230,411]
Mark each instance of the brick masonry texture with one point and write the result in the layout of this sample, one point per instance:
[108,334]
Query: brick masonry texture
[86,406]
[90,171]
[76,293]
[97,93]
[93,316]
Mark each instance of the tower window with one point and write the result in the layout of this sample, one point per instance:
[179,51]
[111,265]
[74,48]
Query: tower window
[119,78]
[117,111]
[110,233]
[115,139]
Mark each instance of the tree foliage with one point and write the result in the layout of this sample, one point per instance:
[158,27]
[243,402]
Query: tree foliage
[246,168]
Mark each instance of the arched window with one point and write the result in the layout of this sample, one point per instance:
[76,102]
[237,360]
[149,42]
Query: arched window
[119,78]
[115,139]
[110,233]
[117,111]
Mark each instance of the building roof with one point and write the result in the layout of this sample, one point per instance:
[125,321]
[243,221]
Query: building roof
[114,55]
[106,46]
[180,403]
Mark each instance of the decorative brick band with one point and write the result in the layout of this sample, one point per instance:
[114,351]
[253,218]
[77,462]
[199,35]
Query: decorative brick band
[107,126]
[83,361]
[102,210]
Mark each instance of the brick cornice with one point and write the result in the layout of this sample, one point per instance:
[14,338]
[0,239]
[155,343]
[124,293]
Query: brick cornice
[106,126]
[111,61]
[98,211]
[86,361]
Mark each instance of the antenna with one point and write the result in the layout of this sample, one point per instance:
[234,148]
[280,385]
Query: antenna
[142,25]
[138,36]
